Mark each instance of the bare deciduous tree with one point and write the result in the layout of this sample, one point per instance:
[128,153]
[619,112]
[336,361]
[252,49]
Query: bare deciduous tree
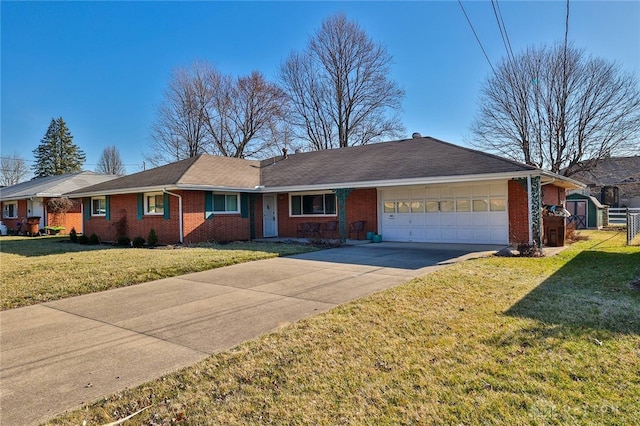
[13,170]
[339,89]
[206,111]
[110,162]
[243,114]
[558,109]
[180,131]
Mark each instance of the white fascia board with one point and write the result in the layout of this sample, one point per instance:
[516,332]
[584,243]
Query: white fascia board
[405,182]
[120,191]
[192,187]
[562,181]
[178,187]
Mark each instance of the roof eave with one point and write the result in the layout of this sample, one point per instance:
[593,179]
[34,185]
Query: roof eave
[160,188]
[561,181]
[121,191]
[406,182]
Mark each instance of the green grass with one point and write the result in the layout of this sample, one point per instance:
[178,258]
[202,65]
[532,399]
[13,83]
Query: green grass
[41,269]
[544,341]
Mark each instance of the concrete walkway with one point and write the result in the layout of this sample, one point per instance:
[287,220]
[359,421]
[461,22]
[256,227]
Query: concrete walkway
[57,356]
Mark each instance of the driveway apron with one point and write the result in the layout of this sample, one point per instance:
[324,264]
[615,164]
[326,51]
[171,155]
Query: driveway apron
[60,355]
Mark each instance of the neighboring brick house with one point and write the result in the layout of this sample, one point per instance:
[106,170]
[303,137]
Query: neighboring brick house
[614,181]
[29,199]
[419,189]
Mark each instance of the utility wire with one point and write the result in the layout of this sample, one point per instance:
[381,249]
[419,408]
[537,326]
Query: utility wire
[84,164]
[503,29]
[475,34]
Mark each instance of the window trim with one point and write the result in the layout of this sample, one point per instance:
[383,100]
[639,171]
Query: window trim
[15,210]
[145,197]
[225,211]
[103,198]
[302,194]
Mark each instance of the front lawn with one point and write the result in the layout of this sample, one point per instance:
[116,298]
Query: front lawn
[490,341]
[41,269]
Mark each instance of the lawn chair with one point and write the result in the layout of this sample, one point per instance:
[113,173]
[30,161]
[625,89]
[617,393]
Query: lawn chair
[357,228]
[330,228]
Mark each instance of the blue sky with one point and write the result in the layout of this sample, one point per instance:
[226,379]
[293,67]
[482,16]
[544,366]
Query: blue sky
[104,66]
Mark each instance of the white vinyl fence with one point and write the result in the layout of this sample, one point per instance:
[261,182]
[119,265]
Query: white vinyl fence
[617,216]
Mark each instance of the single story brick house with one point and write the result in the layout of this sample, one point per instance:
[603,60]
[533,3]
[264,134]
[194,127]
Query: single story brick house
[29,199]
[419,189]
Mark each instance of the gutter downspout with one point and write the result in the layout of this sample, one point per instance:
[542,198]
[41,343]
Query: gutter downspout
[179,213]
[530,209]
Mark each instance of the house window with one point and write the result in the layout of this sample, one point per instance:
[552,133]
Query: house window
[10,210]
[154,203]
[226,203]
[98,206]
[313,204]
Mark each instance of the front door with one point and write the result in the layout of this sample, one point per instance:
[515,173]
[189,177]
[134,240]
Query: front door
[269,216]
[578,210]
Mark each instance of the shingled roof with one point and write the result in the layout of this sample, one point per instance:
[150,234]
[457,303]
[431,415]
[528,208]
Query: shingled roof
[204,171]
[53,186]
[612,171]
[420,159]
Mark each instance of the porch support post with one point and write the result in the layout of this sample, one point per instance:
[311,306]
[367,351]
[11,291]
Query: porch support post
[252,216]
[534,189]
[342,194]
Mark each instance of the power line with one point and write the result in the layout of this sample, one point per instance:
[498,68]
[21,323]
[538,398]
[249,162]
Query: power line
[475,34]
[84,164]
[503,29]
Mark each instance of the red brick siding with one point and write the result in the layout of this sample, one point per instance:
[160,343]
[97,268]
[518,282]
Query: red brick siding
[14,224]
[518,213]
[70,219]
[126,206]
[361,205]
[553,195]
[223,227]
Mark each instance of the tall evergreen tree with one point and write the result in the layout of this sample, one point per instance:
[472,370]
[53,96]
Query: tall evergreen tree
[57,154]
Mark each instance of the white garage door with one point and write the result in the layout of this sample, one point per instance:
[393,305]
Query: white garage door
[446,213]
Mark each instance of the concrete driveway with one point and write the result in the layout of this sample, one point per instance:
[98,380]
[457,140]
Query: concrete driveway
[57,356]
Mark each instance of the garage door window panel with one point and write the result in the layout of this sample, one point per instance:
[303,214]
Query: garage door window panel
[463,205]
[403,207]
[447,206]
[480,205]
[498,205]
